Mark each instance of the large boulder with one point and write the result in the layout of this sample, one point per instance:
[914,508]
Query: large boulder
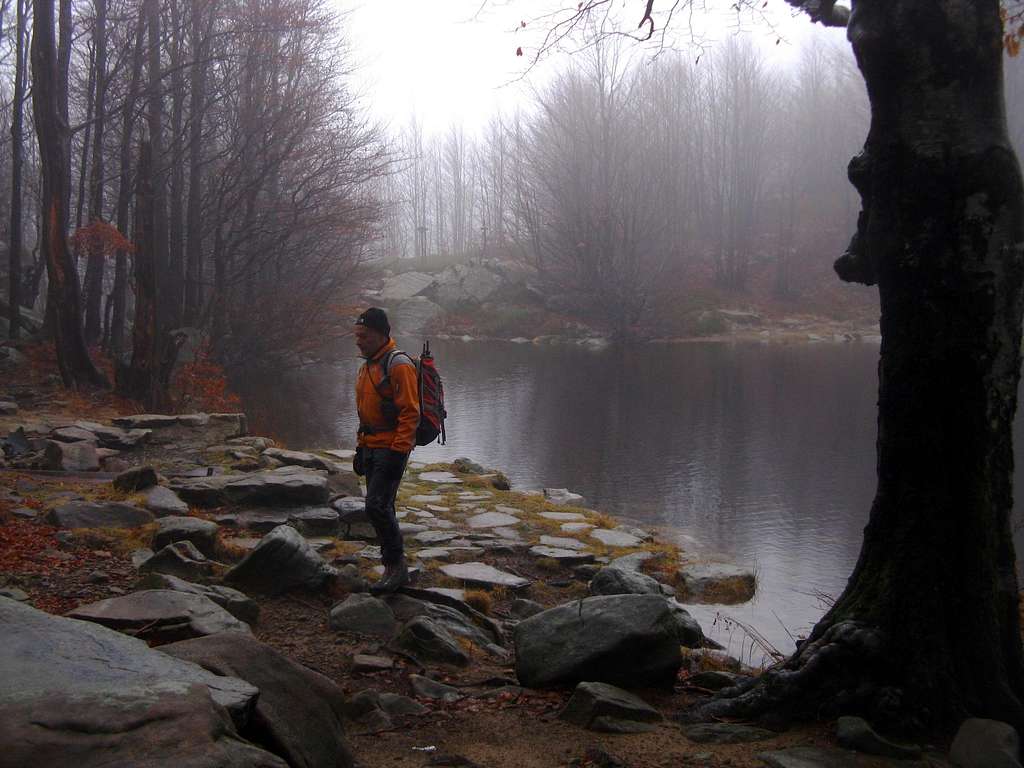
[231,600]
[364,615]
[180,559]
[161,615]
[189,430]
[982,743]
[43,655]
[616,581]
[415,315]
[428,641]
[115,437]
[300,459]
[279,487]
[135,479]
[163,501]
[603,707]
[405,286]
[146,724]
[282,560]
[71,457]
[285,486]
[716,583]
[202,533]
[104,514]
[299,712]
[626,640]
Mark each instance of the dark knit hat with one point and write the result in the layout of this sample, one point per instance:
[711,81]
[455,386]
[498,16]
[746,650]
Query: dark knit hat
[375,318]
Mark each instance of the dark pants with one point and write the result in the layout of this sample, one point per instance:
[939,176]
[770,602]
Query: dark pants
[384,472]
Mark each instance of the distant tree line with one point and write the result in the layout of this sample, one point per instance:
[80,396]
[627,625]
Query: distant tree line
[174,164]
[627,175]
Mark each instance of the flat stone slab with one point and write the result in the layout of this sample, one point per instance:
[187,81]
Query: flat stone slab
[576,527]
[485,575]
[163,501]
[447,553]
[435,537]
[440,522]
[427,499]
[592,704]
[615,538]
[565,517]
[719,583]
[408,529]
[43,654]
[438,508]
[491,520]
[562,542]
[440,477]
[455,594]
[106,514]
[563,556]
[300,459]
[475,496]
[162,614]
[342,454]
[562,496]
[507,509]
[632,561]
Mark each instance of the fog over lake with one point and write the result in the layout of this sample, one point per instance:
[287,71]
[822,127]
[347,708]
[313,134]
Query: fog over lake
[759,454]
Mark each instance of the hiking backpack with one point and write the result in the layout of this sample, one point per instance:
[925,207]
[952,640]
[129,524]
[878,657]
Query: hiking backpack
[431,395]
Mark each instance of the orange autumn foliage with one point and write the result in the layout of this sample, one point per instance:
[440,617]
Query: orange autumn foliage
[202,385]
[99,235]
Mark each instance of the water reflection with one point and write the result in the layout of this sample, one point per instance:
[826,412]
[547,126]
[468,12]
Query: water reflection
[761,453]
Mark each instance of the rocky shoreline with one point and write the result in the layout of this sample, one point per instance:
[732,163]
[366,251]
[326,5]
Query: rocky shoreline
[215,585]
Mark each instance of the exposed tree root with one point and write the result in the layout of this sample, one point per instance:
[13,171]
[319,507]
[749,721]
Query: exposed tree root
[842,669]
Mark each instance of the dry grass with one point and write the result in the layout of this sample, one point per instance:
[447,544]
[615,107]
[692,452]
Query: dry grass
[480,600]
[118,540]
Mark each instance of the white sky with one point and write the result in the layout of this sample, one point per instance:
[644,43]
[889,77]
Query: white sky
[449,64]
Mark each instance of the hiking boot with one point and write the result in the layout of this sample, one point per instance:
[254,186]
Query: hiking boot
[395,577]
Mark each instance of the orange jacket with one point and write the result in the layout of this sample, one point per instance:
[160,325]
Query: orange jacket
[402,387]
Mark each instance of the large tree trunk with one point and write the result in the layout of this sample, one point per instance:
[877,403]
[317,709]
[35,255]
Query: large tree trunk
[197,111]
[17,162]
[52,129]
[97,253]
[143,379]
[927,631]
[119,296]
[176,228]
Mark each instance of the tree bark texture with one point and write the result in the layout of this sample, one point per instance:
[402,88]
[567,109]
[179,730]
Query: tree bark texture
[147,378]
[97,253]
[52,130]
[17,164]
[927,631]
[119,297]
[197,111]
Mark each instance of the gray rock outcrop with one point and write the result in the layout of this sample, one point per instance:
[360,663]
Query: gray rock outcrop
[202,533]
[618,581]
[603,707]
[363,614]
[298,713]
[618,639]
[44,655]
[982,743]
[161,615]
[180,559]
[231,600]
[104,514]
[282,560]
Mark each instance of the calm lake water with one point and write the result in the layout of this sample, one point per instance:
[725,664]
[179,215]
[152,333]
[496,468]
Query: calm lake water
[757,454]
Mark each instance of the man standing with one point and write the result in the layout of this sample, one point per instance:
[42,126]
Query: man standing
[387,400]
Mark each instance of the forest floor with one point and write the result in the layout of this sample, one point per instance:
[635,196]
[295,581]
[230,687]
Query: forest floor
[496,724]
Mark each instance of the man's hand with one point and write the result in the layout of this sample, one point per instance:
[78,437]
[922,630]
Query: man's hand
[357,462]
